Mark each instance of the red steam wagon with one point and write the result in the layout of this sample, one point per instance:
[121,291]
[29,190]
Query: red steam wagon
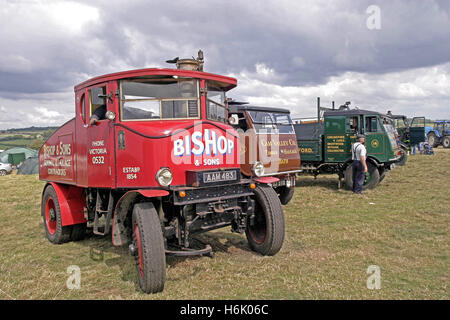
[151,159]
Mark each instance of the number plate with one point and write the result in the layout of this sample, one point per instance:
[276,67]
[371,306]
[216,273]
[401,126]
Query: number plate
[219,176]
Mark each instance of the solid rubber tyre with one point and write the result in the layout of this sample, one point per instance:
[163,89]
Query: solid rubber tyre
[150,256]
[266,235]
[51,213]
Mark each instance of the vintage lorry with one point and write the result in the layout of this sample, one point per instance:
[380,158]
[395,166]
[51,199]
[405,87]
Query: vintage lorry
[408,133]
[161,165]
[267,136]
[325,143]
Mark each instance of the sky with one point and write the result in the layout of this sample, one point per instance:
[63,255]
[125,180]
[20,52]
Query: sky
[380,55]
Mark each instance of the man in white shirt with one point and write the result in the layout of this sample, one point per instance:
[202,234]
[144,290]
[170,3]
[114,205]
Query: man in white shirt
[359,165]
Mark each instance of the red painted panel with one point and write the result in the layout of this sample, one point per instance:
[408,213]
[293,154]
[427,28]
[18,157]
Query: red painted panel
[267,180]
[179,145]
[56,156]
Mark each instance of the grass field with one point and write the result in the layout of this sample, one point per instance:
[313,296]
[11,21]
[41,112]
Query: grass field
[332,237]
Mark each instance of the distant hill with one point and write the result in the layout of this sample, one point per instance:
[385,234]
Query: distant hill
[29,129]
[31,137]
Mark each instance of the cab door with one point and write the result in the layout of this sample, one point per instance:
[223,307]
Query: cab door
[375,141]
[100,141]
[417,130]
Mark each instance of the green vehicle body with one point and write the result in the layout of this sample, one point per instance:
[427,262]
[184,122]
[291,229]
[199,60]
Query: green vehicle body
[325,144]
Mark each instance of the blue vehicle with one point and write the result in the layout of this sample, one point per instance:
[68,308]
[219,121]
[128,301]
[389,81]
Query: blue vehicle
[439,134]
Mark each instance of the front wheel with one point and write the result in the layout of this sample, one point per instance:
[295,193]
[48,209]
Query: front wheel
[265,234]
[150,254]
[371,180]
[3,172]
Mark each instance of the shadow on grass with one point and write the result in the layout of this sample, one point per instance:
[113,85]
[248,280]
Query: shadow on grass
[99,246]
[328,183]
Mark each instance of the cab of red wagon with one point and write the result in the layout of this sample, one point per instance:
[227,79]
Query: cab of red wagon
[160,124]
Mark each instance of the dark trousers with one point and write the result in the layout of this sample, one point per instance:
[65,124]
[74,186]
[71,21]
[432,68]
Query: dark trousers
[358,176]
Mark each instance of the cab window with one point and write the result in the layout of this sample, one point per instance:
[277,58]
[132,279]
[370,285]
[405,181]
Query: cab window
[83,108]
[418,122]
[272,122]
[354,124]
[215,104]
[97,98]
[159,99]
[371,124]
[400,123]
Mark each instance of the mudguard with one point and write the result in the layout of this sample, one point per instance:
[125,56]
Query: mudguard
[267,180]
[119,234]
[71,201]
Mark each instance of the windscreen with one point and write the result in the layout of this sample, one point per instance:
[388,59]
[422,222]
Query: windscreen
[272,122]
[215,103]
[159,99]
[391,132]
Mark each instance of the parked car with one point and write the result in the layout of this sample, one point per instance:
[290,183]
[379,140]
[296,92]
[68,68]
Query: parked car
[5,168]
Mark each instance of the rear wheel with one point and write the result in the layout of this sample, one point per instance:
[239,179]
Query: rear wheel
[150,254]
[266,234]
[51,213]
[3,172]
[432,139]
[371,180]
[446,142]
[285,194]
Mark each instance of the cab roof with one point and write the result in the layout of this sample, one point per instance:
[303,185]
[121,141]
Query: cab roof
[241,107]
[351,112]
[227,82]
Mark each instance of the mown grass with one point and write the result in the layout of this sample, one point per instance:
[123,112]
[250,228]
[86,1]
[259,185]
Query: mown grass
[332,236]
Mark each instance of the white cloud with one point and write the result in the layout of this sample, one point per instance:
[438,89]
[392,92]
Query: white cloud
[72,16]
[423,91]
[36,110]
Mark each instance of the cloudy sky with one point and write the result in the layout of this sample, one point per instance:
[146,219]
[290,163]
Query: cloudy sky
[284,53]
